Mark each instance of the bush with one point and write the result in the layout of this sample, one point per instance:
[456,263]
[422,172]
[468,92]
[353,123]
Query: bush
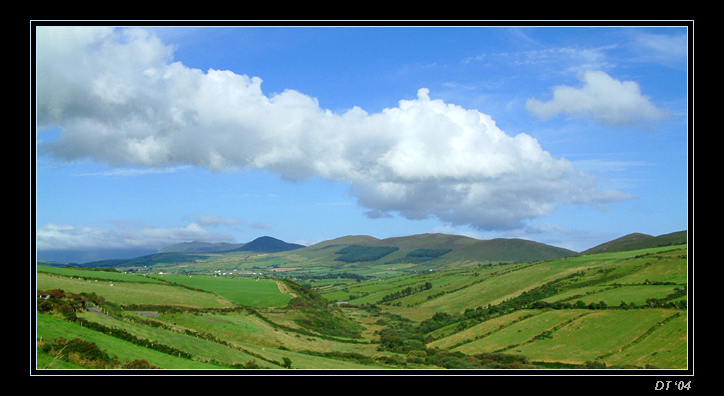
[137,364]
[82,352]
[416,356]
[392,359]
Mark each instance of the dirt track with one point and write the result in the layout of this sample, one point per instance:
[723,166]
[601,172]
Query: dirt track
[284,289]
[98,311]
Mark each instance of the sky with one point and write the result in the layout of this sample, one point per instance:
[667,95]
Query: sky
[146,136]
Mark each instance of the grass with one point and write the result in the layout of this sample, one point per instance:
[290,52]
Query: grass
[49,327]
[613,296]
[448,337]
[93,275]
[518,332]
[202,349]
[245,291]
[582,340]
[666,346]
[134,293]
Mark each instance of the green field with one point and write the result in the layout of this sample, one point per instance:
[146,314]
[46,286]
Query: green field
[134,292]
[253,292]
[486,315]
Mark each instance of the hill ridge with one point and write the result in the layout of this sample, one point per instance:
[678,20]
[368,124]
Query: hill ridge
[636,240]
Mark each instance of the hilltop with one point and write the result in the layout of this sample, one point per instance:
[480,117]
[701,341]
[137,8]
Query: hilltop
[267,244]
[456,246]
[636,241]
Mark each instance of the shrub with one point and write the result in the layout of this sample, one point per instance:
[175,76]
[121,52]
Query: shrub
[81,352]
[137,364]
[416,356]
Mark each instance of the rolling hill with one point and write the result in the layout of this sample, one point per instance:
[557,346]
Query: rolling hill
[455,247]
[366,256]
[639,241]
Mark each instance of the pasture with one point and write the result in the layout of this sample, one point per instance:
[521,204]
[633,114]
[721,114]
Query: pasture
[129,293]
[254,292]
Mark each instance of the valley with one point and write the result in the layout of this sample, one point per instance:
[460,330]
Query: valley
[424,302]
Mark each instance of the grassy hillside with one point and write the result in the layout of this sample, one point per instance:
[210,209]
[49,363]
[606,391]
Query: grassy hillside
[369,257]
[481,315]
[557,305]
[637,241]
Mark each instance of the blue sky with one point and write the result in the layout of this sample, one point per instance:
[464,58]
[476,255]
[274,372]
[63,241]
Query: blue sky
[148,136]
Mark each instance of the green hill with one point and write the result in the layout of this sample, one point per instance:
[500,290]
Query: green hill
[449,247]
[639,241]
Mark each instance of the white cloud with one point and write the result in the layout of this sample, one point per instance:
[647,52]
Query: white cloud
[423,158]
[663,48]
[120,236]
[601,97]
[261,226]
[211,220]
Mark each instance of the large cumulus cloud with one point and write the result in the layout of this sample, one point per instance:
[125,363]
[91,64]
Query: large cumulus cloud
[120,98]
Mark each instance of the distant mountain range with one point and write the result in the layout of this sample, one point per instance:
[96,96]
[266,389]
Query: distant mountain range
[413,248]
[201,247]
[265,244]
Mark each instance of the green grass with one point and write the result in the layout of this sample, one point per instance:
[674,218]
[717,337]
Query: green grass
[134,293]
[518,332]
[583,340]
[202,349]
[49,327]
[449,337]
[665,346]
[245,291]
[613,296]
[91,274]
[632,337]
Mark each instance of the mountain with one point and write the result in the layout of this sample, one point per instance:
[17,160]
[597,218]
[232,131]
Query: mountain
[432,251]
[639,241]
[465,248]
[430,248]
[263,244]
[201,247]
[267,244]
